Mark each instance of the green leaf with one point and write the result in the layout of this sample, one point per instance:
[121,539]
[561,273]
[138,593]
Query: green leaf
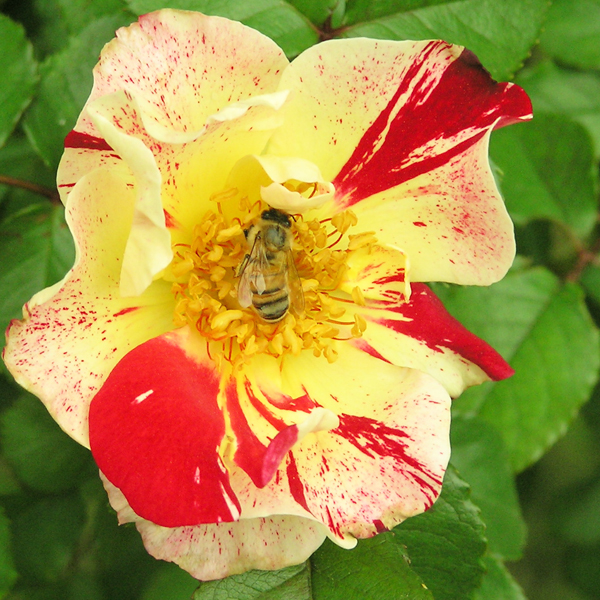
[41,454]
[445,545]
[581,523]
[37,251]
[292,583]
[367,10]
[500,33]
[498,583]
[8,575]
[169,582]
[548,172]
[46,536]
[275,18]
[77,14]
[590,280]
[377,568]
[572,32]
[478,452]
[318,11]
[19,161]
[546,333]
[66,82]
[19,75]
[573,93]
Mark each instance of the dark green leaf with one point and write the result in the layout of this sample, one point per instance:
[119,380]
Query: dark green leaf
[41,454]
[498,583]
[169,582]
[445,545]
[581,524]
[543,329]
[37,251]
[18,160]
[46,536]
[275,18]
[292,583]
[19,75]
[548,172]
[318,11]
[377,568]
[478,452]
[590,280]
[8,575]
[572,32]
[77,14]
[66,82]
[573,93]
[500,33]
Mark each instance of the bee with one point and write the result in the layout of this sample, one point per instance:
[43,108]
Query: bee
[269,280]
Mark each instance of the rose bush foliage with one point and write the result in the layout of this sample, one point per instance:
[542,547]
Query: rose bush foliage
[233,443]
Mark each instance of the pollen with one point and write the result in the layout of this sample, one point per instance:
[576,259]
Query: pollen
[205,275]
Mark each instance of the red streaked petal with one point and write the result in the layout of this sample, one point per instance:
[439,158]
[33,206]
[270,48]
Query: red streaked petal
[155,432]
[437,121]
[263,437]
[422,334]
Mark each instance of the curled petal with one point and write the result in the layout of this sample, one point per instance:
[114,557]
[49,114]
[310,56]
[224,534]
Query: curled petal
[148,249]
[155,432]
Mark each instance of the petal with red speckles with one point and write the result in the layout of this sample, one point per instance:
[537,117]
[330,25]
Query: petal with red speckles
[402,129]
[74,333]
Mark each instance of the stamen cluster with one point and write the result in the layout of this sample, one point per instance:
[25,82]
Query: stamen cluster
[205,286]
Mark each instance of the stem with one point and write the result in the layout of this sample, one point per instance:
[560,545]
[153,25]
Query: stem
[49,193]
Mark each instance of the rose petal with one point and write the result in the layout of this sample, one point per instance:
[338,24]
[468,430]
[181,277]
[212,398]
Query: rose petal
[421,334]
[155,432]
[73,334]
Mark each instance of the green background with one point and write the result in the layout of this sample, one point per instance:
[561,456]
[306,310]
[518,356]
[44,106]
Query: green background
[519,516]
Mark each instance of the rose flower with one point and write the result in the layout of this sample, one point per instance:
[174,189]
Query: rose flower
[245,342]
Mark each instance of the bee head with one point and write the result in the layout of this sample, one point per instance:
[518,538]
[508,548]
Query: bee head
[277,216]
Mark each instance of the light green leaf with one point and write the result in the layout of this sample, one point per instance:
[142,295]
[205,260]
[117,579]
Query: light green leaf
[546,333]
[573,93]
[548,172]
[501,34]
[377,568]
[8,575]
[66,82]
[42,456]
[498,583]
[19,75]
[572,32]
[37,251]
[478,452]
[277,19]
[445,545]
[292,583]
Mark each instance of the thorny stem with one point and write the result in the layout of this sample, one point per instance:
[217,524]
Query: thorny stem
[49,193]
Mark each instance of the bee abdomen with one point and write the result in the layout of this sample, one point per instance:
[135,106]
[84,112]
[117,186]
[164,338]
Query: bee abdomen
[272,306]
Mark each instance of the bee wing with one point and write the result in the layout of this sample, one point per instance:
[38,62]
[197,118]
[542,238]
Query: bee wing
[295,285]
[251,272]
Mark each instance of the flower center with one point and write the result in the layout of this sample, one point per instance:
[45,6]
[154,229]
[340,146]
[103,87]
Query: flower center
[209,273]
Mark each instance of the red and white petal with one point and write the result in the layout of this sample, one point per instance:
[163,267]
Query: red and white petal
[402,128]
[450,221]
[384,462]
[217,550]
[421,334]
[381,273]
[71,337]
[156,428]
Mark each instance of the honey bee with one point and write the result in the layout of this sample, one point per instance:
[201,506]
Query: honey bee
[268,277]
